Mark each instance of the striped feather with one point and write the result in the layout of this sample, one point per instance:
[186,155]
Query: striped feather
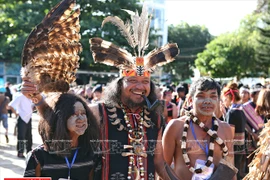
[50,54]
[107,53]
[161,56]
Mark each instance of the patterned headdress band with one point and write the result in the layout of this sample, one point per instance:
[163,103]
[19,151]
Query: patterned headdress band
[136,33]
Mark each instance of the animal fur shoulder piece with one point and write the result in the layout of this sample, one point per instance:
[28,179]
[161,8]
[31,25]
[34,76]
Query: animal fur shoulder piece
[50,54]
[137,35]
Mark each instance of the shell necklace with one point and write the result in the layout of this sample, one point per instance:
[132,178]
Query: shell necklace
[213,138]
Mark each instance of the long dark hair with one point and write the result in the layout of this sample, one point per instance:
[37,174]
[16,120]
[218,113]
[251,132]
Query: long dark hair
[112,94]
[53,126]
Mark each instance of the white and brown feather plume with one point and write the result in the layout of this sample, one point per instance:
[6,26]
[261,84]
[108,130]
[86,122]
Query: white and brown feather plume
[137,35]
[50,54]
[108,53]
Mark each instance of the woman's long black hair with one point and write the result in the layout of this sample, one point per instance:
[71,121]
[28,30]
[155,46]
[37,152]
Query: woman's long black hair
[54,130]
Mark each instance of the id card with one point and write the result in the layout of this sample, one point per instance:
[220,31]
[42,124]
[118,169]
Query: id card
[206,174]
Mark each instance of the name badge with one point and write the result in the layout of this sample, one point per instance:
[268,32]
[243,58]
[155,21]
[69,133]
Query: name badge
[206,174]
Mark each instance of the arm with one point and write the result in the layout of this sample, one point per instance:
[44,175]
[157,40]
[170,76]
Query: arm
[168,143]
[162,167]
[175,111]
[229,143]
[30,91]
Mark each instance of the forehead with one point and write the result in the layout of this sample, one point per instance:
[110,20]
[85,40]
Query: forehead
[139,78]
[78,105]
[210,91]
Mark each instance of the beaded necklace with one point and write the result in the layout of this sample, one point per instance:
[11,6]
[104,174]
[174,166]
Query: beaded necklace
[135,149]
[213,137]
[135,136]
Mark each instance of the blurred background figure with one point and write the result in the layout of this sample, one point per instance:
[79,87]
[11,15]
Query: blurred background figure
[4,100]
[181,97]
[244,94]
[171,107]
[9,95]
[259,167]
[97,94]
[23,106]
[89,94]
[236,117]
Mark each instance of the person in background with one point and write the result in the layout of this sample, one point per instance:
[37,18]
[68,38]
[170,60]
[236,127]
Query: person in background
[170,106]
[4,101]
[23,106]
[244,94]
[97,94]
[181,93]
[236,117]
[89,94]
[9,95]
[259,168]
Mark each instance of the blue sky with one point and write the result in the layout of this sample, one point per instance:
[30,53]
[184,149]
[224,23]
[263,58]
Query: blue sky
[219,16]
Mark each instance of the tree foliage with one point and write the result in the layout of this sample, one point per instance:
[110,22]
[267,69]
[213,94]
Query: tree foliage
[232,54]
[19,17]
[263,47]
[191,40]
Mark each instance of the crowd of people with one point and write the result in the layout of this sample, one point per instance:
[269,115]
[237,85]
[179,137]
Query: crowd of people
[132,128]
[233,105]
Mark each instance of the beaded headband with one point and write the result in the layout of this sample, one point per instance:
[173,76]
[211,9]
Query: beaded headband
[137,34]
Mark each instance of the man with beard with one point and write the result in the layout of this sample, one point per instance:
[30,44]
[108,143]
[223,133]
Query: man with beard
[131,131]
[197,142]
[131,125]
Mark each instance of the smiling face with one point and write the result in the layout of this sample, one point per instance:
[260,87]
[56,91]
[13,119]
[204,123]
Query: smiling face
[132,90]
[77,123]
[205,102]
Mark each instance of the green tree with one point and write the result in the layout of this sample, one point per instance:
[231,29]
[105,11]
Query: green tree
[231,54]
[263,47]
[19,17]
[191,40]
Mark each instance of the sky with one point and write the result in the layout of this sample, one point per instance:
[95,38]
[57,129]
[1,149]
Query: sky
[219,16]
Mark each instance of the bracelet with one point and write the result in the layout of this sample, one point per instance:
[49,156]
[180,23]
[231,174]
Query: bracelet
[34,100]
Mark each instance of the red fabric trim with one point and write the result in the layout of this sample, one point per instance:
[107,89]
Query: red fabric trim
[105,146]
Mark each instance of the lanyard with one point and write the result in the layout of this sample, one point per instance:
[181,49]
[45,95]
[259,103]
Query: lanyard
[206,149]
[70,165]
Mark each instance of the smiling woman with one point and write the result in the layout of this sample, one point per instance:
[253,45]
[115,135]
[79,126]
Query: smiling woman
[68,130]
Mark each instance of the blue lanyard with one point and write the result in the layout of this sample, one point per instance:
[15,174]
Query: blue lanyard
[206,149]
[70,165]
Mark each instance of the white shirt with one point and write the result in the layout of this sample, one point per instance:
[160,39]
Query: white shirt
[23,106]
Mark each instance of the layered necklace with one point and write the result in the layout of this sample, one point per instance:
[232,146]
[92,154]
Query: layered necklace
[136,149]
[213,138]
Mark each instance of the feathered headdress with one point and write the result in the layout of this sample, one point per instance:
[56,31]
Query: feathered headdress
[50,54]
[137,35]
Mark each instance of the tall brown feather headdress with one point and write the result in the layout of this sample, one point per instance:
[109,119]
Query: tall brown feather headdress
[50,54]
[137,35]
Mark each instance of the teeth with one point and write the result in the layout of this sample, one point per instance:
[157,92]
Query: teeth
[139,93]
[80,126]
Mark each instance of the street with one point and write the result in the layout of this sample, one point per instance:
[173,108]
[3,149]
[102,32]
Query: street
[10,165]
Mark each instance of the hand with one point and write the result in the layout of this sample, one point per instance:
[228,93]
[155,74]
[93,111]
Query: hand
[29,89]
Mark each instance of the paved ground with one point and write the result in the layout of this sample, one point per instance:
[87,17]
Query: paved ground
[10,165]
